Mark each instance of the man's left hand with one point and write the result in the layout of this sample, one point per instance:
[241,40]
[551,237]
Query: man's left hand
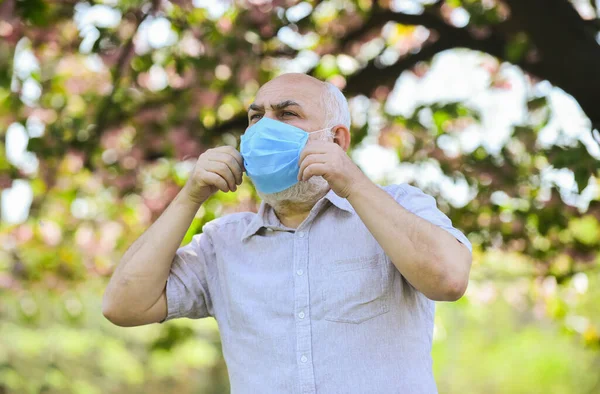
[329,160]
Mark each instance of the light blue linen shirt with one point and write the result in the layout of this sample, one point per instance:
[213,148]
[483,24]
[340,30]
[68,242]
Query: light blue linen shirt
[317,309]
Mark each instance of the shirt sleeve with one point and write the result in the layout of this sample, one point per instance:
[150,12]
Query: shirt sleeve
[423,205]
[187,284]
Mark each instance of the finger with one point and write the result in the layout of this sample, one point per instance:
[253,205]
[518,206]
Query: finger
[231,162]
[317,169]
[236,155]
[223,170]
[311,159]
[312,148]
[210,178]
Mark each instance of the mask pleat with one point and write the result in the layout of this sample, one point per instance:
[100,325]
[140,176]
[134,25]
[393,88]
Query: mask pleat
[268,152]
[267,166]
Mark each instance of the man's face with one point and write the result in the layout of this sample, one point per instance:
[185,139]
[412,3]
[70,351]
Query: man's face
[294,99]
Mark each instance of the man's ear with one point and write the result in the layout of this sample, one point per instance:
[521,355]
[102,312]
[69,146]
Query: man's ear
[341,136]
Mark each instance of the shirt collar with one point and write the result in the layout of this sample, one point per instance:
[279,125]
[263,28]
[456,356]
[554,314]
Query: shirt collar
[339,202]
[261,218]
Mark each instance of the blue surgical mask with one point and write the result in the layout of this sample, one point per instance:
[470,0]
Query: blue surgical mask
[271,150]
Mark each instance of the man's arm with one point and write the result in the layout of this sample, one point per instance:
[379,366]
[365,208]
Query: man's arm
[430,258]
[136,294]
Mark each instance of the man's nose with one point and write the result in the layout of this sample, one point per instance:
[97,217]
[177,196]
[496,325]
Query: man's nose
[270,115]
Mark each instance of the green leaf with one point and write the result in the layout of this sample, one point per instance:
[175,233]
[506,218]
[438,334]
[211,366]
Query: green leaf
[517,48]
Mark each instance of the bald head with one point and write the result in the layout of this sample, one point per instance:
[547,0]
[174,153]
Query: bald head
[297,80]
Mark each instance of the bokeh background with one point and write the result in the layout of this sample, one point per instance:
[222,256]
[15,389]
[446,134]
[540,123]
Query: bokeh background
[491,106]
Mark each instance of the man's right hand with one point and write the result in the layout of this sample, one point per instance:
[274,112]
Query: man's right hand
[219,168]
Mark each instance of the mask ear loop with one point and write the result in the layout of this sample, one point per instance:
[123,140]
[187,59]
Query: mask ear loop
[319,131]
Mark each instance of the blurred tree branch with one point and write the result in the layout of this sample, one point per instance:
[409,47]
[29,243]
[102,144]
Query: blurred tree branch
[378,74]
[103,114]
[555,28]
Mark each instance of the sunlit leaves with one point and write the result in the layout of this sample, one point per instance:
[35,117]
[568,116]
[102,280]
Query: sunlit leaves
[586,230]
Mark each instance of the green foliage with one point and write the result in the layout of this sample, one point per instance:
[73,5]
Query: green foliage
[517,48]
[71,348]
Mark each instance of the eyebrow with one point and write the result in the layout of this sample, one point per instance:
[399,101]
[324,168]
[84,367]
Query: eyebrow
[278,107]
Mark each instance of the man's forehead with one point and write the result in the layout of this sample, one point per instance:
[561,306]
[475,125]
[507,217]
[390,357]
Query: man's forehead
[279,90]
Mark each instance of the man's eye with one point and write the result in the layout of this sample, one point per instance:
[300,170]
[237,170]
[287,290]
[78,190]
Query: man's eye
[255,116]
[287,113]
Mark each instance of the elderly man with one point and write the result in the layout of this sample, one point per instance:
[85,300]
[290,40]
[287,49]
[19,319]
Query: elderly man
[330,287]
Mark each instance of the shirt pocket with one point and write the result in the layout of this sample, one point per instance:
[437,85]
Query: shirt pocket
[355,290]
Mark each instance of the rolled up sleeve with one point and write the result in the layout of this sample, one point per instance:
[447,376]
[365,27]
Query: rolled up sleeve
[187,285]
[423,205]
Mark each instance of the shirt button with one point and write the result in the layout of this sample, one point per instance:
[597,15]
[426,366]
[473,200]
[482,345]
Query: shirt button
[299,272]
[301,315]
[303,359]
[301,234]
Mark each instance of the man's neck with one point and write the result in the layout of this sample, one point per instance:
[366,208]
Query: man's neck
[292,220]
[292,214]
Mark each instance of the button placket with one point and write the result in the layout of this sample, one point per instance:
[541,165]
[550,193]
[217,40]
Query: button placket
[302,313]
